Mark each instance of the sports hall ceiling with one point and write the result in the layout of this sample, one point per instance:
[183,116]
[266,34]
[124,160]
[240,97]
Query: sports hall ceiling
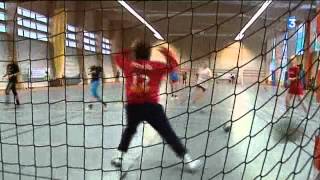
[180,18]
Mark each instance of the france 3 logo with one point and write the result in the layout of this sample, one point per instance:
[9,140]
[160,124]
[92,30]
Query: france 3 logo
[291,24]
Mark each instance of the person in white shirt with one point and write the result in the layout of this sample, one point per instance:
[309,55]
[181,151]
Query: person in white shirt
[204,76]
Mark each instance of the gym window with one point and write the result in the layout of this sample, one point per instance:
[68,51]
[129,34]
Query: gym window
[2,17]
[71,36]
[32,25]
[89,41]
[106,46]
[1,5]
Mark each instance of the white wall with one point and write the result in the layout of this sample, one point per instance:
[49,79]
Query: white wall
[235,56]
[72,65]
[3,58]
[107,68]
[203,47]
[31,54]
[33,57]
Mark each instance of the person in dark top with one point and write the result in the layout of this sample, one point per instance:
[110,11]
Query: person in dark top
[232,78]
[95,72]
[117,76]
[184,78]
[12,73]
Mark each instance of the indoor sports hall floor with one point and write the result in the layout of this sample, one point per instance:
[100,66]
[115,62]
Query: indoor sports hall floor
[60,134]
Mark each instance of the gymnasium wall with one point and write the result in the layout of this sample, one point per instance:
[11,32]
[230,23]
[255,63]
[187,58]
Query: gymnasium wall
[226,57]
[107,67]
[248,58]
[73,63]
[30,54]
[199,48]
[35,55]
[3,58]
[279,53]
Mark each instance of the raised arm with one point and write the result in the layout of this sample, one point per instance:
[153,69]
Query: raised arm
[122,59]
[171,60]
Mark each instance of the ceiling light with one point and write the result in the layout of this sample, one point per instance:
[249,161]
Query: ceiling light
[133,12]
[258,13]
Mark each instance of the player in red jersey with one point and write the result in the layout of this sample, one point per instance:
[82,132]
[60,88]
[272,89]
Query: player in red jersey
[143,80]
[296,86]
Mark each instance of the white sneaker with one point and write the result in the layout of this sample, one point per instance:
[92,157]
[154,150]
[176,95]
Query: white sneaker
[89,107]
[227,127]
[191,165]
[117,159]
[105,108]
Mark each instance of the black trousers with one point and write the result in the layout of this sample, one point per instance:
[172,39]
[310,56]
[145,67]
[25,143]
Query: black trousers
[156,117]
[184,81]
[11,86]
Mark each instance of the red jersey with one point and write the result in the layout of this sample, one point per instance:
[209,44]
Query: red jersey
[143,77]
[296,86]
